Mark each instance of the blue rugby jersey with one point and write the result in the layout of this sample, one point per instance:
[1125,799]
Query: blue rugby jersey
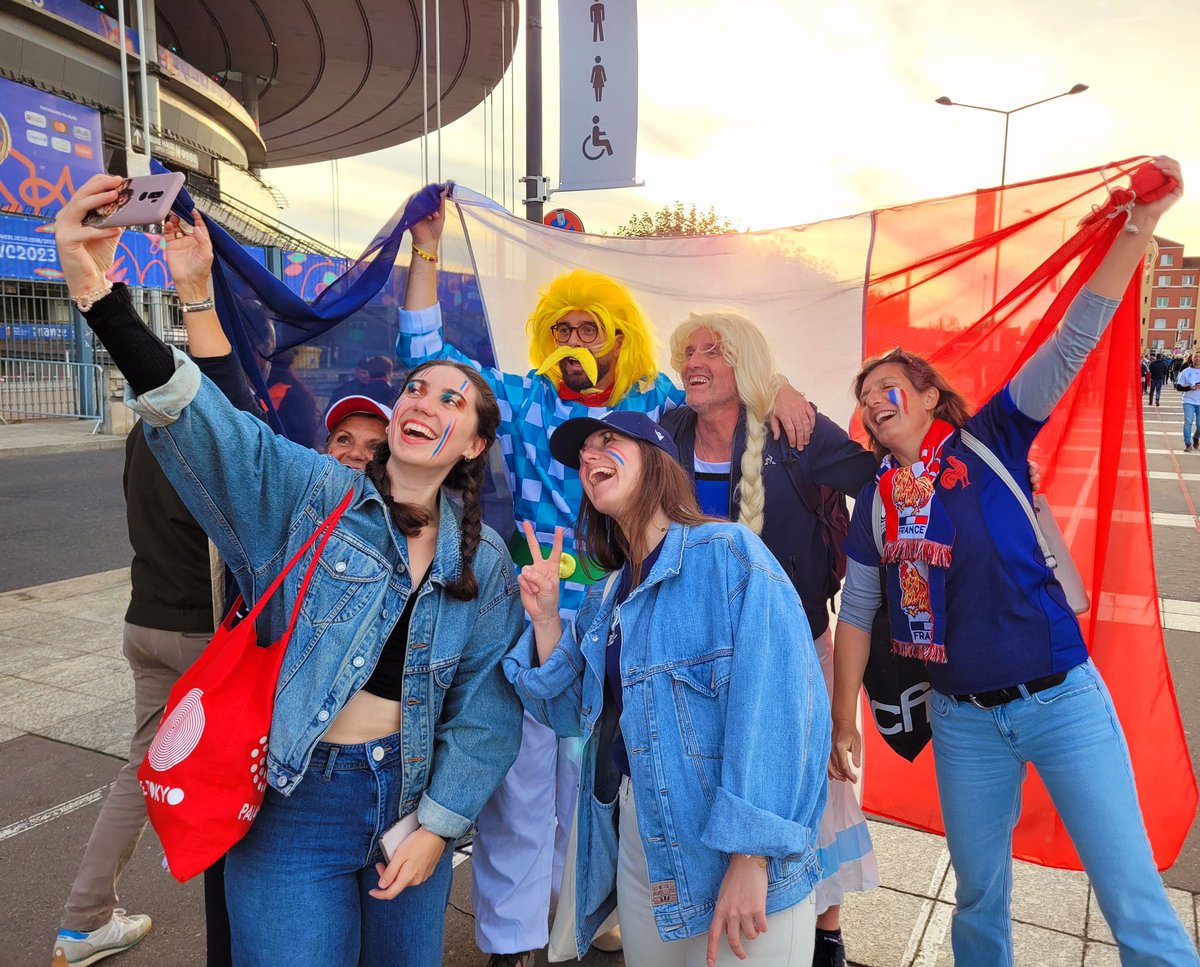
[544,491]
[1007,619]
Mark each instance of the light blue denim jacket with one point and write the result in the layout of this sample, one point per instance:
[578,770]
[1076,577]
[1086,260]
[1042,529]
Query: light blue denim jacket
[260,497]
[725,720]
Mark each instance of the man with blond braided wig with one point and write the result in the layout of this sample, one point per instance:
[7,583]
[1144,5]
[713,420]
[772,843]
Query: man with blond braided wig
[592,351]
[729,373]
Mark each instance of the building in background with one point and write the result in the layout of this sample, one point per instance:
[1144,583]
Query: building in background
[228,89]
[1169,295]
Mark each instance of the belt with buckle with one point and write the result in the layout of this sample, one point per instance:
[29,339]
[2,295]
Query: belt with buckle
[1002,695]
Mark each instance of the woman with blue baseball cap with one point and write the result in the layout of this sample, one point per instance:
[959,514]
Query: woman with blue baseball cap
[703,714]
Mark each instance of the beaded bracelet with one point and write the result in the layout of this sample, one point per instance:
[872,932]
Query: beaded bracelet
[425,255]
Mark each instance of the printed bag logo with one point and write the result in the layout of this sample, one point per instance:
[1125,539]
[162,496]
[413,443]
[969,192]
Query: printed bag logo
[179,734]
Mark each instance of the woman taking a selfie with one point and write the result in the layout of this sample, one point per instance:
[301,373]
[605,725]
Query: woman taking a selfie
[693,681]
[390,699]
[970,592]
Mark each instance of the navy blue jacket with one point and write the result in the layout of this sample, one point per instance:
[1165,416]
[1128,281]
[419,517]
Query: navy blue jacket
[790,529]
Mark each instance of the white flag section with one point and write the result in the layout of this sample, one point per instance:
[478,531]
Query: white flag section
[598,93]
[803,286]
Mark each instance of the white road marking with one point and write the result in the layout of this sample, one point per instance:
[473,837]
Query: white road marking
[53,813]
[1170,475]
[921,934]
[1179,615]
[461,856]
[1172,520]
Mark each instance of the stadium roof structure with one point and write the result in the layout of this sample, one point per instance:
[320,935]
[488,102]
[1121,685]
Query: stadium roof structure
[337,78]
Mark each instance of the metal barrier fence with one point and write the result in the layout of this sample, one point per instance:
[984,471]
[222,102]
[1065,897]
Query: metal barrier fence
[46,389]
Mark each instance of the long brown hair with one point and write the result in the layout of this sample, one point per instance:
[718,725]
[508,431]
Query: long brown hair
[465,477]
[663,484]
[951,406]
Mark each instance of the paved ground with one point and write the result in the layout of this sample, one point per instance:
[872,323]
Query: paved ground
[65,702]
[51,501]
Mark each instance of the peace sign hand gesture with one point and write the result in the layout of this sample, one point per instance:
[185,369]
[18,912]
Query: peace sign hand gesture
[539,580]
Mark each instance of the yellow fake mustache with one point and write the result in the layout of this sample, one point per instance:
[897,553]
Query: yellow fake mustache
[582,356]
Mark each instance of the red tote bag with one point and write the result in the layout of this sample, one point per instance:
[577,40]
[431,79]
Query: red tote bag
[205,773]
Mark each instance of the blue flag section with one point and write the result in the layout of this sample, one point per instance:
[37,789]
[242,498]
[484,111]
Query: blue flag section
[353,315]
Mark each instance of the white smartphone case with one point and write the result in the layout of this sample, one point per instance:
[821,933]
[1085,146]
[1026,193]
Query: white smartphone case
[142,201]
[396,834]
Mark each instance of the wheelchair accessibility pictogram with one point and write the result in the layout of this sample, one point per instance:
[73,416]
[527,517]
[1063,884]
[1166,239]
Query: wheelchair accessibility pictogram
[596,140]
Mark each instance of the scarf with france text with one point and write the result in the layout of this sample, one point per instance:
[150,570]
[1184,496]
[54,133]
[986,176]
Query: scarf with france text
[917,544]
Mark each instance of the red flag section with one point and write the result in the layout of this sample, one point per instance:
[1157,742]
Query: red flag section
[933,294]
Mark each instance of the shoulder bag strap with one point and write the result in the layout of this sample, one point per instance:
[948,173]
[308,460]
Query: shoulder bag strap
[876,512]
[323,533]
[982,451]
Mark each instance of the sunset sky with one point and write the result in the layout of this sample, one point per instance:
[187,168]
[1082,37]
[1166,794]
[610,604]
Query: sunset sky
[781,113]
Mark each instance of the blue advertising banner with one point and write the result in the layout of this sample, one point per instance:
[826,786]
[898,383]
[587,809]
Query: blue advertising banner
[27,252]
[90,19]
[48,147]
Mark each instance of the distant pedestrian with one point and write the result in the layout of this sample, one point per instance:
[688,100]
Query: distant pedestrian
[372,378]
[1159,369]
[1190,377]
[1145,367]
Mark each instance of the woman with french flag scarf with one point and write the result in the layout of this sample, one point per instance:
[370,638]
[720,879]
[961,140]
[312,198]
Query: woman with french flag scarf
[970,594]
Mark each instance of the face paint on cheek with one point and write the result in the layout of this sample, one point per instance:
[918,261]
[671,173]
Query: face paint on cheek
[616,455]
[899,398]
[445,436]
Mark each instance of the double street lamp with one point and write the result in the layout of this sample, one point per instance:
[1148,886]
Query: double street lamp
[1077,89]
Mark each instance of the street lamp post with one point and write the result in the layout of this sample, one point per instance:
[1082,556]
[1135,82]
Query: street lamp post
[1077,89]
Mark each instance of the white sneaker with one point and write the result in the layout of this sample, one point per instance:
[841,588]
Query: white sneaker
[73,948]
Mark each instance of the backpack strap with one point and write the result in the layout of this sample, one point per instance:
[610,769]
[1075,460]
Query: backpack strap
[609,582]
[876,513]
[981,450]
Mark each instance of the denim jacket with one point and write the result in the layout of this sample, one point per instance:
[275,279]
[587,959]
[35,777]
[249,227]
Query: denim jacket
[260,497]
[725,721]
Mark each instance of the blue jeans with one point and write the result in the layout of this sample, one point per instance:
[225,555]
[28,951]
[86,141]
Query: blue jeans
[1191,421]
[1156,388]
[297,884]
[1070,733]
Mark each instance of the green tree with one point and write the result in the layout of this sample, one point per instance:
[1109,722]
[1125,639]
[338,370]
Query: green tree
[676,220]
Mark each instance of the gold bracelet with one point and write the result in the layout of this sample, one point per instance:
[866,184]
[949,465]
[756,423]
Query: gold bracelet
[425,255]
[760,860]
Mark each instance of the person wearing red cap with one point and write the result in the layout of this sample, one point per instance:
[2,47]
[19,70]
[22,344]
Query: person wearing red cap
[356,425]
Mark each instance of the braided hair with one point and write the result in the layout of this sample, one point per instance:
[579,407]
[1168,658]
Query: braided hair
[744,347]
[466,478]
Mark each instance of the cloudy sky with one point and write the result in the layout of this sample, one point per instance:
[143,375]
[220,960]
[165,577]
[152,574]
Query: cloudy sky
[782,113]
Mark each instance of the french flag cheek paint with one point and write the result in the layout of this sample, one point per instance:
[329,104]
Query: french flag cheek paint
[445,436]
[616,455]
[898,398]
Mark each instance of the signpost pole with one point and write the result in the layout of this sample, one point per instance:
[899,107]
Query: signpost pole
[533,110]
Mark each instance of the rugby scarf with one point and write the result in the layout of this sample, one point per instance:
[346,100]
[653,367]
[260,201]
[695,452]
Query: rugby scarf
[917,543]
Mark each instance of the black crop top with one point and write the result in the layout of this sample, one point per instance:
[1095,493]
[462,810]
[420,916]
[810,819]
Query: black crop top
[387,680]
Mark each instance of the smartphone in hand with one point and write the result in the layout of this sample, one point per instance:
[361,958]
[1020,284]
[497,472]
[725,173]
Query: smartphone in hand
[145,200]
[397,833]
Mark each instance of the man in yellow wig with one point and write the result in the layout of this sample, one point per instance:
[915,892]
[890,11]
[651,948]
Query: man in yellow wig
[592,352]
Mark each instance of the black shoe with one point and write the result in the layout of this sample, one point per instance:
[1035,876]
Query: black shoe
[829,951]
[523,959]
